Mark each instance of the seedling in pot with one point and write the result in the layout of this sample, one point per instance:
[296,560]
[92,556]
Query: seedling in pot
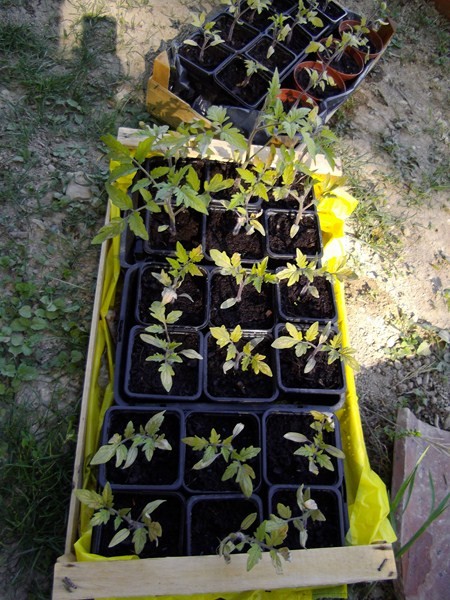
[210,36]
[251,68]
[280,31]
[317,451]
[257,7]
[256,275]
[240,359]
[256,181]
[315,341]
[214,447]
[238,8]
[271,533]
[142,529]
[125,447]
[184,263]
[164,187]
[334,269]
[303,16]
[170,355]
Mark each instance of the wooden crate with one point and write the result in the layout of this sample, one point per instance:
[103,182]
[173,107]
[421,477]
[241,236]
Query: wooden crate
[312,568]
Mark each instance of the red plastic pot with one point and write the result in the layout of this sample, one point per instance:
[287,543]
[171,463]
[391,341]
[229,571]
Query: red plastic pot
[318,66]
[372,36]
[290,97]
[355,56]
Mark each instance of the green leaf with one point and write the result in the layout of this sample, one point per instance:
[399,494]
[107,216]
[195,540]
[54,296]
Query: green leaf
[151,507]
[119,537]
[166,376]
[228,303]
[103,454]
[118,197]
[137,225]
[110,230]
[293,436]
[254,556]
[144,149]
[139,539]
[248,521]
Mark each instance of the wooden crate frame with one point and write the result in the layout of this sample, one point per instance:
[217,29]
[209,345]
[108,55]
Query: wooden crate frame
[187,575]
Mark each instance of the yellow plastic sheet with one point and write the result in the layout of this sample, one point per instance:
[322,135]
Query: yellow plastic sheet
[367,498]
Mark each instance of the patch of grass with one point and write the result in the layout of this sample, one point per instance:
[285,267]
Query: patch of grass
[371,223]
[36,462]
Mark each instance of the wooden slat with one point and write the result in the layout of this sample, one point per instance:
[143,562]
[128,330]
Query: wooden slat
[72,532]
[210,574]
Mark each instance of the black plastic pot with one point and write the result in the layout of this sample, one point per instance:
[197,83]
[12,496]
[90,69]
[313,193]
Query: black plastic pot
[334,11]
[281,246]
[149,289]
[236,385]
[231,77]
[209,479]
[297,307]
[214,57]
[280,465]
[211,518]
[255,311]
[282,59]
[164,471]
[218,233]
[141,379]
[318,32]
[189,231]
[321,534]
[292,380]
[228,171]
[243,34]
[298,42]
[170,514]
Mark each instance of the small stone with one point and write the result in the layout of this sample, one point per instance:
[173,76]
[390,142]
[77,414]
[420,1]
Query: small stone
[419,380]
[410,385]
[397,365]
[402,387]
[447,423]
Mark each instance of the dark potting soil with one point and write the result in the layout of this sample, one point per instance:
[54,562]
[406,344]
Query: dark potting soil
[228,171]
[332,10]
[328,92]
[282,466]
[241,36]
[219,234]
[321,534]
[209,479]
[260,21]
[298,41]
[163,469]
[307,238]
[170,515]
[322,377]
[233,75]
[144,377]
[346,64]
[255,311]
[212,57]
[194,311]
[296,306]
[238,384]
[280,59]
[283,5]
[213,519]
[188,231]
[290,203]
